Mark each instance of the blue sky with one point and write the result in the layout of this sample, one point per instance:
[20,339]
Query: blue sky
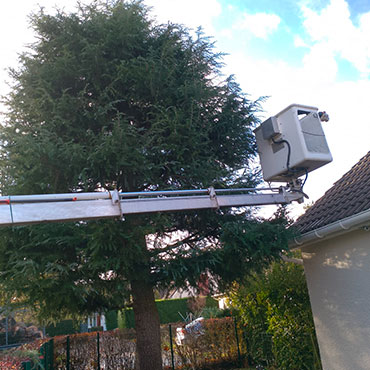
[308,52]
[312,52]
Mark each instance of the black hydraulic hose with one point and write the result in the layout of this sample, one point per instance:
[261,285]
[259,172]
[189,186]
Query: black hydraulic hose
[282,141]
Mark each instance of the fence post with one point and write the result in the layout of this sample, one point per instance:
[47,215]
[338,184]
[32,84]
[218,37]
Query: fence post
[46,355]
[51,354]
[26,365]
[98,349]
[237,342]
[249,357]
[68,354]
[171,346]
[43,356]
[7,330]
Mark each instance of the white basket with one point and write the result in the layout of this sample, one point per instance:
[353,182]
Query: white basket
[292,143]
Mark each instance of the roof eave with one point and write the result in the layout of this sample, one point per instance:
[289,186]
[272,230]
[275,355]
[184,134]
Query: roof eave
[332,230]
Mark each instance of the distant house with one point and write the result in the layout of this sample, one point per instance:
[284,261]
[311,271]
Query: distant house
[335,244]
[96,320]
[203,289]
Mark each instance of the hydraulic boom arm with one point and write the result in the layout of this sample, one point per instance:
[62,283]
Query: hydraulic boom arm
[297,129]
[28,209]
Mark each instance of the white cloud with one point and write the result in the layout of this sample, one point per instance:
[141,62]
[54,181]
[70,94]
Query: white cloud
[192,13]
[298,42]
[260,25]
[320,64]
[333,27]
[312,83]
[330,32]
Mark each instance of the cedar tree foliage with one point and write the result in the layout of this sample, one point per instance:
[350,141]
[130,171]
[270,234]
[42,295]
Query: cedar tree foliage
[106,99]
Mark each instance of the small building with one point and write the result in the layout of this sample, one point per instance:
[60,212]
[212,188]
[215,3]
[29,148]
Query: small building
[335,245]
[96,320]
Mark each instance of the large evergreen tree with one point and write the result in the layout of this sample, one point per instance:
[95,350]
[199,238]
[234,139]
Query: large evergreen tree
[105,99]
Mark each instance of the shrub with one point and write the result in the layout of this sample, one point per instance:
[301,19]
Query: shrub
[12,359]
[64,327]
[275,310]
[216,345]
[111,319]
[215,312]
[170,310]
[125,318]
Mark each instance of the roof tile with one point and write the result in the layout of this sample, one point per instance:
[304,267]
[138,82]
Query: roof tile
[348,196]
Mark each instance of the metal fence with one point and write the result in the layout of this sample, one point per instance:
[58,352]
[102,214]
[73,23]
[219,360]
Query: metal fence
[46,358]
[215,344]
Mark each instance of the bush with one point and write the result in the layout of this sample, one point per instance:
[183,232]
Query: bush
[215,312]
[275,311]
[215,346]
[126,319]
[111,320]
[13,358]
[170,310]
[64,327]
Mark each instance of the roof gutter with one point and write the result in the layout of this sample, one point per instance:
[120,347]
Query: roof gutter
[343,226]
[297,261]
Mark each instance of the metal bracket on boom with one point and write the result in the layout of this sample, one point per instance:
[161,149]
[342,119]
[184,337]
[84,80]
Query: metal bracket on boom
[28,209]
[293,188]
[116,200]
[213,196]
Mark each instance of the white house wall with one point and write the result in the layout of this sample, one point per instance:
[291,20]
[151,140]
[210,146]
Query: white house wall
[338,278]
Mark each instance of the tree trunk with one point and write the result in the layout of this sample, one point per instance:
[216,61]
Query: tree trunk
[147,326]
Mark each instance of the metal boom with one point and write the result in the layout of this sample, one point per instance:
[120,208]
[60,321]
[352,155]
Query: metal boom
[28,209]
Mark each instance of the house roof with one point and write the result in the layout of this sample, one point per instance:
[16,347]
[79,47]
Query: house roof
[347,197]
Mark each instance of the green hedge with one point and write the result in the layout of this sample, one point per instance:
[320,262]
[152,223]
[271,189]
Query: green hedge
[126,318]
[169,310]
[111,320]
[275,313]
[64,327]
[211,302]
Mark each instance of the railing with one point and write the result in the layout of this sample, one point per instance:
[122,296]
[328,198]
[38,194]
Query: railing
[8,346]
